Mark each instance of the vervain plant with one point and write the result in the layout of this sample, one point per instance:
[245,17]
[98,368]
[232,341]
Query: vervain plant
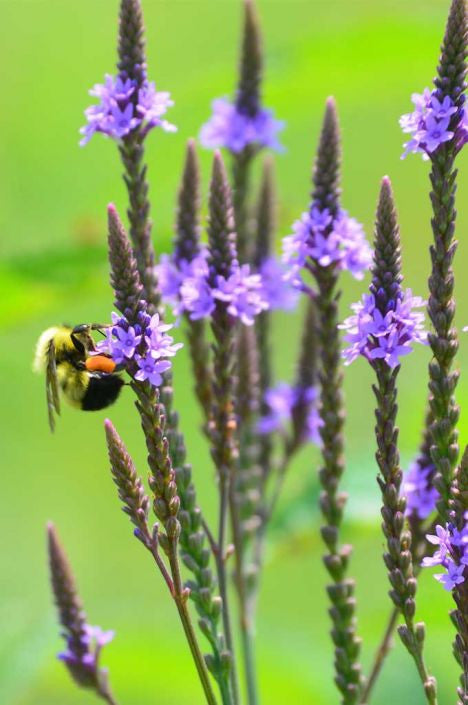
[224,289]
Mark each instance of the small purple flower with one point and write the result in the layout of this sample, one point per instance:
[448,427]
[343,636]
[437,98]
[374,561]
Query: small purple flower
[160,344]
[151,370]
[152,105]
[128,341]
[243,293]
[197,298]
[436,133]
[444,109]
[234,130]
[82,658]
[184,286]
[120,111]
[454,576]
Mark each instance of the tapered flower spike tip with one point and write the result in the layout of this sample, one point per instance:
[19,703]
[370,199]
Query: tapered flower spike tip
[125,279]
[221,235]
[386,269]
[248,92]
[129,485]
[187,240]
[132,59]
[451,71]
[326,174]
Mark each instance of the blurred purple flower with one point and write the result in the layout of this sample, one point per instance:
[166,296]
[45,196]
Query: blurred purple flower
[243,292]
[234,130]
[281,401]
[421,495]
[277,290]
[84,662]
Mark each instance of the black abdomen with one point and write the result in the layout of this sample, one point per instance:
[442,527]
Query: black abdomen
[102,391]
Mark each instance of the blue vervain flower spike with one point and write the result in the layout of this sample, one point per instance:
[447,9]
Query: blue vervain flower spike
[223,428]
[243,127]
[84,643]
[391,318]
[129,107]
[325,200]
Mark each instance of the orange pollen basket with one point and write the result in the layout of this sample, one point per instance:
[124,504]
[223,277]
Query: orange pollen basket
[100,363]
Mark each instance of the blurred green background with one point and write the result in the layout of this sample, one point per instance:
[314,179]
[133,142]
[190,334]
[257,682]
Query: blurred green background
[371,56]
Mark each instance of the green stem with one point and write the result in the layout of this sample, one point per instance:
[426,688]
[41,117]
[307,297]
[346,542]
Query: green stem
[248,645]
[245,616]
[220,558]
[180,598]
[379,658]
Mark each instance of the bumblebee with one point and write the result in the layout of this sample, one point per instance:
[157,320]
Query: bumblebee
[86,381]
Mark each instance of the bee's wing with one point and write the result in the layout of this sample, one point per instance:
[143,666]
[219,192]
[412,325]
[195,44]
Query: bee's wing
[52,392]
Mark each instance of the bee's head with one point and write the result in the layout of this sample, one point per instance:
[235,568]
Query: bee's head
[82,339]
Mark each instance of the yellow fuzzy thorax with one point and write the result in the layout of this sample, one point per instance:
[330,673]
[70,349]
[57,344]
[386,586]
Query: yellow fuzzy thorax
[61,337]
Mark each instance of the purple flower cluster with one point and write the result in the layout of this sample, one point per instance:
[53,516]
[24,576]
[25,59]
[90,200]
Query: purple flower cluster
[281,401]
[385,337]
[429,124]
[185,286]
[83,662]
[452,554]
[324,240]
[421,495]
[145,344]
[235,130]
[123,106]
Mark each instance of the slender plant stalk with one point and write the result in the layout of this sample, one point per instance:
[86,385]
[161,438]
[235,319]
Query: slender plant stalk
[223,425]
[265,231]
[332,501]
[441,306]
[450,82]
[380,655]
[247,103]
[386,288]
